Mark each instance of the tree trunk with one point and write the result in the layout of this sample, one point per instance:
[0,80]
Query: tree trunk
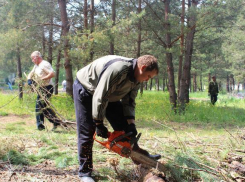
[209,77]
[50,40]
[167,84]
[85,14]
[92,27]
[19,72]
[57,72]
[139,40]
[151,84]
[227,84]
[231,82]
[85,23]
[194,82]
[181,44]
[201,89]
[113,8]
[163,82]
[139,30]
[170,67]
[190,84]
[157,83]
[92,16]
[185,79]
[65,31]
[43,43]
[243,85]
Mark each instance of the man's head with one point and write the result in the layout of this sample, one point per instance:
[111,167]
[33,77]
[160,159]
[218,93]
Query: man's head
[214,78]
[36,57]
[147,68]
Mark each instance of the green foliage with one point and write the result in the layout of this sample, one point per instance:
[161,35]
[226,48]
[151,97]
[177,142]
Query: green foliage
[16,158]
[64,161]
[3,113]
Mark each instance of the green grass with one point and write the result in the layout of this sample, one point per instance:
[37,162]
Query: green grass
[179,138]
[156,106]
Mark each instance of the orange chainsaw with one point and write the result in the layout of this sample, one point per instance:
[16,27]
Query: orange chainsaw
[120,143]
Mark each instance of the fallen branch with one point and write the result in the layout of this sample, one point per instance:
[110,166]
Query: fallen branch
[62,121]
[239,150]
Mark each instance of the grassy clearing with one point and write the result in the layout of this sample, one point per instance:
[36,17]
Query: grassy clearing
[193,145]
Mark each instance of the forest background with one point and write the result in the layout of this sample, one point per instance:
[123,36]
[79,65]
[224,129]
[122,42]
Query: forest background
[192,39]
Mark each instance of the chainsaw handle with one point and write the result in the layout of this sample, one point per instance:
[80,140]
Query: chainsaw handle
[102,143]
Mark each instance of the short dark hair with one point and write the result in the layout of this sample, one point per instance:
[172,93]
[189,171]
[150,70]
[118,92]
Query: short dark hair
[149,61]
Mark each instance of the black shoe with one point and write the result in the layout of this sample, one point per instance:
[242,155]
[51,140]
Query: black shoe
[136,148]
[155,157]
[41,127]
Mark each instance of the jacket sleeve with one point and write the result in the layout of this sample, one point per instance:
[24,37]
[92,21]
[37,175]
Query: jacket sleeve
[107,85]
[129,104]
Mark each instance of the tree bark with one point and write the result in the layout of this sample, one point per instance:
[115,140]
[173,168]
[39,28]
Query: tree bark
[57,72]
[146,85]
[85,14]
[19,72]
[185,79]
[139,30]
[92,16]
[243,85]
[92,27]
[194,82]
[151,84]
[113,8]
[170,67]
[157,83]
[163,82]
[139,40]
[227,84]
[50,40]
[201,89]
[65,31]
[43,43]
[181,44]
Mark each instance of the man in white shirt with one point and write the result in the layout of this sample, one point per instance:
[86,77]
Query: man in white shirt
[41,76]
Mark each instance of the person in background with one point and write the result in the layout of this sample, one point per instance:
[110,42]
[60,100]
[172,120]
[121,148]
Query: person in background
[107,88]
[41,78]
[64,85]
[213,90]
[8,83]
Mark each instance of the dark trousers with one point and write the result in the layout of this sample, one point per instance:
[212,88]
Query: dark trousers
[214,98]
[44,110]
[86,127]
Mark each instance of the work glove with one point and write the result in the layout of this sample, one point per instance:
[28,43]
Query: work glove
[132,128]
[101,130]
[30,81]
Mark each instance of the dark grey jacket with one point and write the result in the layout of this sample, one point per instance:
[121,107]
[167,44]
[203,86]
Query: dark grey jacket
[109,79]
[213,88]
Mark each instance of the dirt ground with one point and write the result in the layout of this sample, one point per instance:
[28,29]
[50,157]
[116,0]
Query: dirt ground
[44,172]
